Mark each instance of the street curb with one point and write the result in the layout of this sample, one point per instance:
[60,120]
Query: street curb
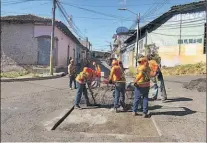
[33,78]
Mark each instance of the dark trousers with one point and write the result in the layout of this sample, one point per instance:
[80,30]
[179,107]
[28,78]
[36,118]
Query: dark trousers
[162,87]
[71,80]
[141,92]
[119,95]
[81,90]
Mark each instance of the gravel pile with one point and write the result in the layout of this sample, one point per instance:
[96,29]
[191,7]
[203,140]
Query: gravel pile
[104,97]
[198,84]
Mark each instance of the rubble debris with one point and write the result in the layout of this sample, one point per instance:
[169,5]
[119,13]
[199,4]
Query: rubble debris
[198,84]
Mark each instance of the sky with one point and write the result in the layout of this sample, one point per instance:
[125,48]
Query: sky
[100,24]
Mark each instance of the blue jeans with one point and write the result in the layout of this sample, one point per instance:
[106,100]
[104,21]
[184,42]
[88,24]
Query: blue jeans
[119,94]
[162,87]
[71,80]
[81,90]
[138,93]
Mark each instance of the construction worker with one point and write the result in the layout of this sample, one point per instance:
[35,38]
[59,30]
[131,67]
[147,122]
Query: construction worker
[142,87]
[117,77]
[98,73]
[72,74]
[156,76]
[85,77]
[121,65]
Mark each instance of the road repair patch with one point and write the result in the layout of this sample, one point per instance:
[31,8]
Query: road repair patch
[104,121]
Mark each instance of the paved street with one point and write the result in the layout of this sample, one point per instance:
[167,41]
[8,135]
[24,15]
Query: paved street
[26,105]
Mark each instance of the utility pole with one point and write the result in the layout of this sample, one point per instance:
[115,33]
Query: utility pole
[205,40]
[137,39]
[52,38]
[180,32]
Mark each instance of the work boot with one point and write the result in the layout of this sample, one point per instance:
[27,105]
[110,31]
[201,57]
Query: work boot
[135,114]
[164,98]
[145,115]
[154,98]
[77,107]
[114,110]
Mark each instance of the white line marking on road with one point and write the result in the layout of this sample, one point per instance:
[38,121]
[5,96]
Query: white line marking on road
[156,126]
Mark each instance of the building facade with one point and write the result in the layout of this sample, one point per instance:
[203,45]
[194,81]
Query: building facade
[179,34]
[26,39]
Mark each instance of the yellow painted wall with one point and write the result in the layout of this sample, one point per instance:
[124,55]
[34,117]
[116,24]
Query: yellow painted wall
[189,54]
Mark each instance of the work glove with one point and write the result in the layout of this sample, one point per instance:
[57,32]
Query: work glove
[110,81]
[135,84]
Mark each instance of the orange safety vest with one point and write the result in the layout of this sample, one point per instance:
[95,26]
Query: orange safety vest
[81,78]
[116,74]
[153,65]
[98,71]
[143,73]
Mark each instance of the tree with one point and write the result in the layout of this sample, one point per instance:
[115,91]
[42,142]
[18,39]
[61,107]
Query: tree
[152,49]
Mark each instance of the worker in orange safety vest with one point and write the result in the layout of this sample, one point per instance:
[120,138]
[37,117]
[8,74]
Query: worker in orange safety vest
[156,76]
[142,86]
[98,73]
[83,78]
[117,77]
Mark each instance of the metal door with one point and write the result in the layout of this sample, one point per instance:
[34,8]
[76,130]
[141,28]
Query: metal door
[44,51]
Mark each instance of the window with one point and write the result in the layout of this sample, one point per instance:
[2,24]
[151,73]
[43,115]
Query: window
[205,41]
[141,45]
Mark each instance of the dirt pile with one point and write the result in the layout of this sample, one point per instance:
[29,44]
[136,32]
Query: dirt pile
[104,96]
[198,84]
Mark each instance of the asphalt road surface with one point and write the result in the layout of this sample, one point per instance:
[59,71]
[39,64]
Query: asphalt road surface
[24,105]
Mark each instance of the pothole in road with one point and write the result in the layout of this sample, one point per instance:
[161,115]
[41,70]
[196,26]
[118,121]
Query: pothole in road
[104,121]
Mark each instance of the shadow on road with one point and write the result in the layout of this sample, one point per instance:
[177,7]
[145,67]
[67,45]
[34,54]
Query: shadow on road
[175,113]
[178,99]
[181,82]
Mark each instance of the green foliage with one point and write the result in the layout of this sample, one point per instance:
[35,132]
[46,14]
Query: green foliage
[152,49]
[132,71]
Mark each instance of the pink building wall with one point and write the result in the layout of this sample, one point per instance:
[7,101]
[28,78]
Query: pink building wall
[63,43]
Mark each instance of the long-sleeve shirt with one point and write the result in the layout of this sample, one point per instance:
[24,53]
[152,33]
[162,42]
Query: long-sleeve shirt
[71,69]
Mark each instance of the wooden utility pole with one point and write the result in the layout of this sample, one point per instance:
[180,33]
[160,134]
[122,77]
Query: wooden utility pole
[180,32]
[205,40]
[52,38]
[137,40]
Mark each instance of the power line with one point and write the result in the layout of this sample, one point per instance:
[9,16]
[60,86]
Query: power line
[66,17]
[19,2]
[114,5]
[96,12]
[97,18]
[29,7]
[175,35]
[196,25]
[73,24]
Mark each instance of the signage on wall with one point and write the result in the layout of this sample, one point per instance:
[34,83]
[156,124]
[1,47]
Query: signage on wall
[188,16]
[190,41]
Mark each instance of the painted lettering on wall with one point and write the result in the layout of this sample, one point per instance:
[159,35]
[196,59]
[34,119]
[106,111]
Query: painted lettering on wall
[190,41]
[188,16]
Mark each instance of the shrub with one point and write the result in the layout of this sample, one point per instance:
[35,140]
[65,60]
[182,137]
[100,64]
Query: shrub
[13,74]
[188,69]
[132,71]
